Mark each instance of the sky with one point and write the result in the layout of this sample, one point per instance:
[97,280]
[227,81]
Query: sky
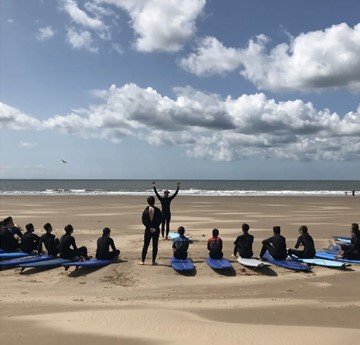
[180,89]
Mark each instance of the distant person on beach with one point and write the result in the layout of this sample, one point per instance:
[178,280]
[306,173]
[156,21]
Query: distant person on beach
[165,205]
[243,243]
[103,245]
[275,245]
[29,241]
[8,241]
[68,248]
[307,242]
[351,251]
[215,245]
[353,193]
[180,245]
[151,218]
[50,242]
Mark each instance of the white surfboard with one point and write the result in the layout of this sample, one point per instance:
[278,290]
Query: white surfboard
[252,262]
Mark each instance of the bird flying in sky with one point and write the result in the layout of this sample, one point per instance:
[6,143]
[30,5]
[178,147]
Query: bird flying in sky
[64,161]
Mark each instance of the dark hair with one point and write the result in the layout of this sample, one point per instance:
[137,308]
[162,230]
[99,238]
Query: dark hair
[7,220]
[106,231]
[151,200]
[68,228]
[303,229]
[215,232]
[245,227]
[47,226]
[29,227]
[355,229]
[181,230]
[276,230]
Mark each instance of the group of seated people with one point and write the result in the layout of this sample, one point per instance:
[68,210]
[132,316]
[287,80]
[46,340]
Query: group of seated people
[66,247]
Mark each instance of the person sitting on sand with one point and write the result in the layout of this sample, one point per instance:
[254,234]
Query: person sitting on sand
[351,251]
[29,241]
[151,218]
[243,243]
[215,245]
[307,242]
[103,244]
[8,241]
[68,248]
[275,245]
[50,242]
[180,245]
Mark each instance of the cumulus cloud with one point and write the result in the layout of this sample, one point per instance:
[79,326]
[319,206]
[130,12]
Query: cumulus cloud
[81,40]
[45,33]
[311,61]
[211,57]
[161,25]
[207,125]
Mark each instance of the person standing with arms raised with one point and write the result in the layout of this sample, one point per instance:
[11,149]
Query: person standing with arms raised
[165,204]
[151,218]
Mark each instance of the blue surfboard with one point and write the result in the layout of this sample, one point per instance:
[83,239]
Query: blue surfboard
[12,255]
[219,264]
[320,262]
[331,256]
[342,239]
[182,265]
[89,263]
[24,260]
[289,264]
[45,264]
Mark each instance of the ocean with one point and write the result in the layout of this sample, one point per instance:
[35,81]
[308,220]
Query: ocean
[188,187]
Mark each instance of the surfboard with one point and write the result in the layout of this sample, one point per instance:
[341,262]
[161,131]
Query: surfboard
[12,255]
[45,264]
[25,260]
[182,265]
[173,235]
[320,262]
[89,263]
[331,256]
[219,264]
[342,239]
[288,264]
[252,262]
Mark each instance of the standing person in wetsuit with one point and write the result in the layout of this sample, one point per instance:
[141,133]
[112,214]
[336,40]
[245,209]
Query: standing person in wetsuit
[8,241]
[103,244]
[307,242]
[67,245]
[151,218]
[275,245]
[165,205]
[243,243]
[351,251]
[215,245]
[50,242]
[29,240]
[180,245]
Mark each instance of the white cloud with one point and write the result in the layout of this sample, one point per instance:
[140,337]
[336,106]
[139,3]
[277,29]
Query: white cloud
[27,145]
[80,40]
[211,57]
[45,33]
[208,126]
[161,25]
[10,21]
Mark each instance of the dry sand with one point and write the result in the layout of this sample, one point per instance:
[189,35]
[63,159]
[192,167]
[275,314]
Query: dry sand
[125,303]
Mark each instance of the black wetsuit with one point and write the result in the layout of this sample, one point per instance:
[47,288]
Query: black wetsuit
[243,245]
[29,242]
[8,241]
[148,235]
[309,247]
[276,246]
[102,249]
[352,251]
[166,213]
[181,245]
[66,242]
[215,246]
[51,244]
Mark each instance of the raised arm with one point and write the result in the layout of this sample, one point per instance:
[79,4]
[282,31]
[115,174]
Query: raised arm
[156,192]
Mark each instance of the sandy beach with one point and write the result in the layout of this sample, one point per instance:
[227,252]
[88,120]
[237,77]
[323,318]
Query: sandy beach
[125,303]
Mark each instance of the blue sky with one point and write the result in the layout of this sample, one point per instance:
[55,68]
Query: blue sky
[180,89]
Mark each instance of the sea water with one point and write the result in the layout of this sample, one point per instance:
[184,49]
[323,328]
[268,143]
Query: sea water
[188,187]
